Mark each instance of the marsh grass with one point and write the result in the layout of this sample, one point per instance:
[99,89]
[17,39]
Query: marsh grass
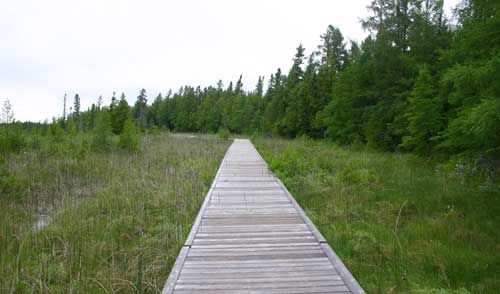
[118,219]
[400,223]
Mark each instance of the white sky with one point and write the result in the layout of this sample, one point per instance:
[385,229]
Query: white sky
[93,47]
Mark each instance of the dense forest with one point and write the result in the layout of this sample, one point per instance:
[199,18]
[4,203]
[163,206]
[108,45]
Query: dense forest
[418,83]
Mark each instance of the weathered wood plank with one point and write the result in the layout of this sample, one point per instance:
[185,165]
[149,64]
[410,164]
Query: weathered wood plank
[301,290]
[252,286]
[257,274]
[259,280]
[251,236]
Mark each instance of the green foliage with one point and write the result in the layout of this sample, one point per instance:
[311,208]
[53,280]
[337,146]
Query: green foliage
[476,129]
[139,110]
[224,133]
[110,215]
[129,140]
[12,139]
[76,115]
[415,84]
[102,137]
[423,114]
[9,185]
[400,223]
[119,115]
[72,131]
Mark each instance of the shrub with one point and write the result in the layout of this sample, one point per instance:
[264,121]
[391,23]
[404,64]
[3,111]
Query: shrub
[102,139]
[224,133]
[8,183]
[128,138]
[11,139]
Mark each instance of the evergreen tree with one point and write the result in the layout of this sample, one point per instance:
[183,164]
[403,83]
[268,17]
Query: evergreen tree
[344,118]
[76,106]
[72,130]
[91,117]
[289,123]
[332,51]
[139,111]
[296,72]
[239,86]
[102,137]
[129,139]
[378,92]
[77,112]
[259,88]
[153,112]
[302,104]
[333,60]
[471,88]
[423,114]
[55,133]
[114,103]
[275,103]
[119,115]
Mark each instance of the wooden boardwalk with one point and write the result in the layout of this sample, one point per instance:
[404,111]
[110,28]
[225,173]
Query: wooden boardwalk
[251,236]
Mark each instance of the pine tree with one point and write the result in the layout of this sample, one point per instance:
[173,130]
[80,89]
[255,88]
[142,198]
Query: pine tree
[296,72]
[423,114]
[333,60]
[470,84]
[275,99]
[76,106]
[332,51]
[76,112]
[129,139]
[55,133]
[153,112]
[102,137]
[71,128]
[91,117]
[140,108]
[239,86]
[344,119]
[291,123]
[259,88]
[113,104]
[119,115]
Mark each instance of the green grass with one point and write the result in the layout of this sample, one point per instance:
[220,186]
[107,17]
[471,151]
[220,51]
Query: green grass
[400,223]
[119,219]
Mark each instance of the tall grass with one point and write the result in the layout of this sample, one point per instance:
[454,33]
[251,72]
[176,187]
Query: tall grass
[402,224]
[117,220]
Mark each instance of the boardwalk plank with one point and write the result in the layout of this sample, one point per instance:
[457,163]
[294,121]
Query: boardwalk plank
[251,236]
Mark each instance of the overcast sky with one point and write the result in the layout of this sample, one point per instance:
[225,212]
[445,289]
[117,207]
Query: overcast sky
[94,47]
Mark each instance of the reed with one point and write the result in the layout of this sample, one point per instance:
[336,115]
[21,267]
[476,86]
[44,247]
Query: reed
[400,223]
[114,221]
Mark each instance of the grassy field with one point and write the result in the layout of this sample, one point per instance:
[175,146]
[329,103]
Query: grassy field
[400,223]
[87,222]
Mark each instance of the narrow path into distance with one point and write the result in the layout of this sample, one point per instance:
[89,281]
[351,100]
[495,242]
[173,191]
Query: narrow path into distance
[251,236]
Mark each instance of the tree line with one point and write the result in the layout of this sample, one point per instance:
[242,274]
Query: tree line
[417,83]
